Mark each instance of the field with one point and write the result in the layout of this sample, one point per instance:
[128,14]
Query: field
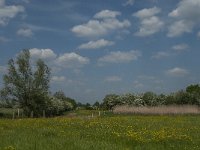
[121,132]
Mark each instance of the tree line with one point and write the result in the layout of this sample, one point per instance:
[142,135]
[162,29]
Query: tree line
[26,86]
[189,96]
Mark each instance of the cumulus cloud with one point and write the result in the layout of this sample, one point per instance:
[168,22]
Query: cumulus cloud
[180,27]
[46,54]
[71,60]
[25,32]
[103,23]
[188,16]
[56,79]
[96,44]
[129,2]
[107,14]
[147,12]
[8,12]
[198,34]
[120,57]
[113,79]
[150,23]
[180,47]
[66,60]
[2,3]
[177,72]
[160,55]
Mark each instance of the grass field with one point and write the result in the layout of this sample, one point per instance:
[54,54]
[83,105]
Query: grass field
[117,132]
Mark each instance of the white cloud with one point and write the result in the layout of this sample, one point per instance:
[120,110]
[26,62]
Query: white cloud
[198,34]
[160,55]
[113,79]
[58,62]
[56,79]
[120,57]
[147,12]
[25,32]
[46,54]
[107,14]
[177,72]
[150,24]
[102,26]
[180,27]
[129,2]
[2,3]
[180,47]
[71,60]
[8,12]
[188,15]
[96,44]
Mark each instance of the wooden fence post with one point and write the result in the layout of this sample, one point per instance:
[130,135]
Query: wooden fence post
[31,114]
[13,115]
[18,112]
[99,113]
[43,113]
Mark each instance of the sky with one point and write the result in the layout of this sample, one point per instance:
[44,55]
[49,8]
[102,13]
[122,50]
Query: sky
[98,47]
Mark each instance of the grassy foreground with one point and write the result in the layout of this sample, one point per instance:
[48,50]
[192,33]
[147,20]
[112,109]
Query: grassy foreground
[102,133]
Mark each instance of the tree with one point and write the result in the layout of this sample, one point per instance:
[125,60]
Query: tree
[27,88]
[193,89]
[127,99]
[111,100]
[150,98]
[96,105]
[61,95]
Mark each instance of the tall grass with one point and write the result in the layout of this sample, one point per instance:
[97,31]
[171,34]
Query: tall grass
[118,132]
[174,109]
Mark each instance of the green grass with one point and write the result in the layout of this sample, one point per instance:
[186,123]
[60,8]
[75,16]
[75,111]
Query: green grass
[102,133]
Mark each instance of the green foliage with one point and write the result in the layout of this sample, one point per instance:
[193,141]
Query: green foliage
[111,100]
[96,105]
[56,106]
[191,97]
[150,99]
[61,95]
[24,87]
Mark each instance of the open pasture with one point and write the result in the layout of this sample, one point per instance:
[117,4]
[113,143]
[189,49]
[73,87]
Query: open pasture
[121,132]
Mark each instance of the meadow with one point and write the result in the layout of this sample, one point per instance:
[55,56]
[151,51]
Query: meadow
[116,132]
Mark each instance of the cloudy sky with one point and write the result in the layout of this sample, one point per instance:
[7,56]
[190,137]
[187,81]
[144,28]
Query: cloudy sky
[96,47]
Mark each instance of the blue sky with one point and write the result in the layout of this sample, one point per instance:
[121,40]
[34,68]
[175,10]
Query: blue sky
[97,47]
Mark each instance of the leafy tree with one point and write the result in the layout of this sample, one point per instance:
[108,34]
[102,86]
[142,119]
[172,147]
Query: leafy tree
[193,89]
[61,95]
[111,100]
[96,105]
[169,99]
[88,106]
[57,106]
[161,99]
[150,98]
[127,99]
[23,86]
